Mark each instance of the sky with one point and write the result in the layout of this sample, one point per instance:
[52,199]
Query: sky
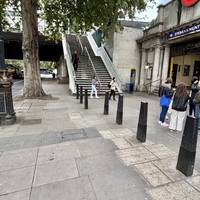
[151,11]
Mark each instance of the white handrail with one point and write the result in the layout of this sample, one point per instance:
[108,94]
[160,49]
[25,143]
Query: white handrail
[79,40]
[107,62]
[90,59]
[70,67]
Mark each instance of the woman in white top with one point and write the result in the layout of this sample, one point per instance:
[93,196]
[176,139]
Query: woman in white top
[113,88]
[94,89]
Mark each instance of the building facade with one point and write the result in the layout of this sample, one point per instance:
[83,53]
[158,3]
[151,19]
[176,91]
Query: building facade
[123,49]
[170,47]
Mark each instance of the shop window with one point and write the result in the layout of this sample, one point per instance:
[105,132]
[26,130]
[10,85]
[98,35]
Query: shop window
[186,70]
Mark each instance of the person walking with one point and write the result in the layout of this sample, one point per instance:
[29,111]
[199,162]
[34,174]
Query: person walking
[179,107]
[113,88]
[94,89]
[165,101]
[75,60]
[196,102]
[194,90]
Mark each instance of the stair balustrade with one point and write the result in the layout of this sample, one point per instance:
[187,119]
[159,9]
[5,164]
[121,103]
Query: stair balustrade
[70,67]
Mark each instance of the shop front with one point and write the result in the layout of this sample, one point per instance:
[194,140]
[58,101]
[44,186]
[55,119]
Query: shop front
[184,53]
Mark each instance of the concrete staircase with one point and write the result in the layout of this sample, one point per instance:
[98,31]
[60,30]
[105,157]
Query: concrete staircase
[85,70]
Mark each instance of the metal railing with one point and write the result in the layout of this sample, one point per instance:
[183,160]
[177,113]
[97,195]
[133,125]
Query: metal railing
[90,62]
[149,86]
[106,60]
[70,67]
[81,46]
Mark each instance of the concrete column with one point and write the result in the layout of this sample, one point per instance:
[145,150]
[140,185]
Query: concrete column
[142,73]
[62,71]
[156,66]
[166,63]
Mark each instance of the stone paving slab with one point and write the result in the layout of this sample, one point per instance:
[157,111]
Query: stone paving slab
[135,156]
[18,159]
[57,152]
[92,132]
[65,190]
[168,167]
[16,180]
[136,143]
[94,164]
[75,116]
[160,151]
[118,184]
[22,195]
[194,181]
[121,143]
[95,146]
[116,133]
[175,191]
[152,174]
[55,171]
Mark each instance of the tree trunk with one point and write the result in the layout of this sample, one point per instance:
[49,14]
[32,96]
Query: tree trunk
[30,48]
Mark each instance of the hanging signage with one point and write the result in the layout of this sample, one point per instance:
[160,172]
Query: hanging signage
[184,31]
[188,3]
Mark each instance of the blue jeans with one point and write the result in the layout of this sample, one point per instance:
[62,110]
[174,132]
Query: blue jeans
[163,113]
[197,114]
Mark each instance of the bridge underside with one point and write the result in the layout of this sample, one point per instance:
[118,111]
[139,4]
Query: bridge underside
[48,50]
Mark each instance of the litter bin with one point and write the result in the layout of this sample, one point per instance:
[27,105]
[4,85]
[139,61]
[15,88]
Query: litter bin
[129,87]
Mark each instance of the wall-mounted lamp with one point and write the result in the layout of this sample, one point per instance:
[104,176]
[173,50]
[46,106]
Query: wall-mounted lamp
[146,67]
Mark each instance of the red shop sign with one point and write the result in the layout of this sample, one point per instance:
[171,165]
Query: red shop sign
[189,3]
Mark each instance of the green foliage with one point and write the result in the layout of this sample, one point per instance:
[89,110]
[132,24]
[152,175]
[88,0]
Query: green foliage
[83,15]
[79,16]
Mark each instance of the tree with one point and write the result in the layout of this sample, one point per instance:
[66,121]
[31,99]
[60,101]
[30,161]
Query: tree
[59,15]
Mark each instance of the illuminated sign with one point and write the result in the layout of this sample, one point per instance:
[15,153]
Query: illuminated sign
[184,31]
[188,3]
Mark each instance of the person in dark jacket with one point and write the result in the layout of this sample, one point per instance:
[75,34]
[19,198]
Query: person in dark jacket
[166,93]
[179,107]
[194,90]
[75,60]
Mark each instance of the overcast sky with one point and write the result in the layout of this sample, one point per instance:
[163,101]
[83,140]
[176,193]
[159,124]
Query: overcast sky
[151,11]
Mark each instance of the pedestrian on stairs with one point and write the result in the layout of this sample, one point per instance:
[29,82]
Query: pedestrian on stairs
[113,88]
[94,89]
[75,60]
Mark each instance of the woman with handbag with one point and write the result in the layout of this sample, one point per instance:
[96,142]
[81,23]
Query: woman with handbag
[179,107]
[165,101]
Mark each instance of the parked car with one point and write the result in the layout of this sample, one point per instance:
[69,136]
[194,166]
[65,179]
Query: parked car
[45,73]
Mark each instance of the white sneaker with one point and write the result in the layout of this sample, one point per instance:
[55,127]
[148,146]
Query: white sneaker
[97,97]
[164,124]
[167,118]
[160,122]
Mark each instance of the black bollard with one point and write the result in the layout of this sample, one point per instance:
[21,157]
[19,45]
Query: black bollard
[119,118]
[142,123]
[106,104]
[81,94]
[187,152]
[77,91]
[86,99]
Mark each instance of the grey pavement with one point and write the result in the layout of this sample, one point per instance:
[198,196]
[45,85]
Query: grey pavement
[57,150]
[17,87]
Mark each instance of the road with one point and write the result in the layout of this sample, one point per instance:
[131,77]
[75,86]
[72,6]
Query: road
[17,87]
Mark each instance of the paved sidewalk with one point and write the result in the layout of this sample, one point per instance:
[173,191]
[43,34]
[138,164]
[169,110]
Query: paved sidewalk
[57,150]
